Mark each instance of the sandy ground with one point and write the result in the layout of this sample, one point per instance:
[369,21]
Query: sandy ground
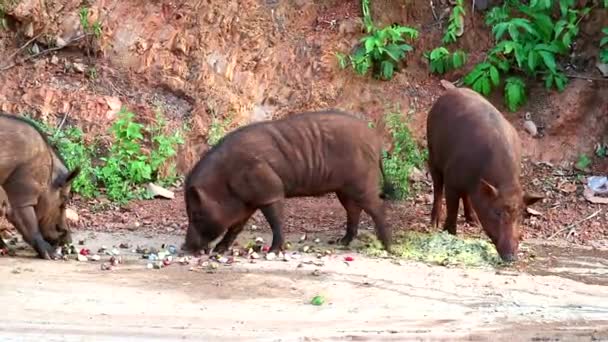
[557,297]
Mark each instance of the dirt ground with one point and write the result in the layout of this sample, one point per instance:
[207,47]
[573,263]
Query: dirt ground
[269,300]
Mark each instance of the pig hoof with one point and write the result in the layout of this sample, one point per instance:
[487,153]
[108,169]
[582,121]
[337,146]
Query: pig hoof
[220,249]
[345,241]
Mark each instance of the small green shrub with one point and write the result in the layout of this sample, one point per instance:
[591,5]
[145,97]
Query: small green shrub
[381,50]
[529,42]
[456,23]
[127,163]
[583,162]
[404,156]
[217,130]
[442,61]
[70,144]
[95,29]
[137,155]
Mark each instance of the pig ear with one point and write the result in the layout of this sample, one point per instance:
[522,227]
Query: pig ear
[488,189]
[70,178]
[530,199]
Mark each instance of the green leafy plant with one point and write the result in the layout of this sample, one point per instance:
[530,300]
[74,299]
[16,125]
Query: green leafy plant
[583,162]
[127,163]
[529,42]
[442,61]
[604,46]
[72,147]
[95,29]
[515,92]
[405,155]
[456,23]
[381,50]
[138,154]
[218,129]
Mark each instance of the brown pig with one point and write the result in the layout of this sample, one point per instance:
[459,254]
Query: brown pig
[259,165]
[37,184]
[474,155]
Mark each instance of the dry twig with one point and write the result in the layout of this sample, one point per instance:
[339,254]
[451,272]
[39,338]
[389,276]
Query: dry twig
[572,227]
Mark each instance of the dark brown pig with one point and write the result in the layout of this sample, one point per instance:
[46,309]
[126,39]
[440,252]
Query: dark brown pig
[37,185]
[474,155]
[259,165]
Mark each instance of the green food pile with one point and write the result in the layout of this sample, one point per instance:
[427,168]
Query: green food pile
[439,248]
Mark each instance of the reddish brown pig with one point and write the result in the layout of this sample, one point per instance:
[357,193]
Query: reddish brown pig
[474,155]
[259,165]
[37,185]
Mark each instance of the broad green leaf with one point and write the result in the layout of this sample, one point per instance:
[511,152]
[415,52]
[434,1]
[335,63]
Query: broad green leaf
[485,86]
[549,60]
[560,82]
[546,47]
[387,70]
[604,41]
[532,60]
[494,76]
[499,30]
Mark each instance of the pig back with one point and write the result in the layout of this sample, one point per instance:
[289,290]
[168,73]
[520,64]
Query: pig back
[309,152]
[25,157]
[469,138]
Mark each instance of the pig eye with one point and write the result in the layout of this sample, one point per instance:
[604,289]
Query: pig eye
[498,213]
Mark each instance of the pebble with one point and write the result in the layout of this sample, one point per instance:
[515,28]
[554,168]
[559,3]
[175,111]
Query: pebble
[305,249]
[115,260]
[259,240]
[303,237]
[149,266]
[95,257]
[106,267]
[317,240]
[530,127]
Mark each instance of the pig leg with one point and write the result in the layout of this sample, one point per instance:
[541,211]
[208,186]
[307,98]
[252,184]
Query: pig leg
[24,219]
[274,215]
[437,197]
[229,237]
[374,208]
[469,214]
[452,199]
[353,213]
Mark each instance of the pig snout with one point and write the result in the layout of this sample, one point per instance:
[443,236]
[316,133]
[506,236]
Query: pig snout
[507,249]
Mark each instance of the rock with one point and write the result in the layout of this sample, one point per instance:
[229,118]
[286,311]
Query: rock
[106,267]
[530,127]
[59,42]
[124,245]
[591,197]
[303,237]
[533,212]
[28,31]
[603,68]
[79,67]
[158,191]
[317,240]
